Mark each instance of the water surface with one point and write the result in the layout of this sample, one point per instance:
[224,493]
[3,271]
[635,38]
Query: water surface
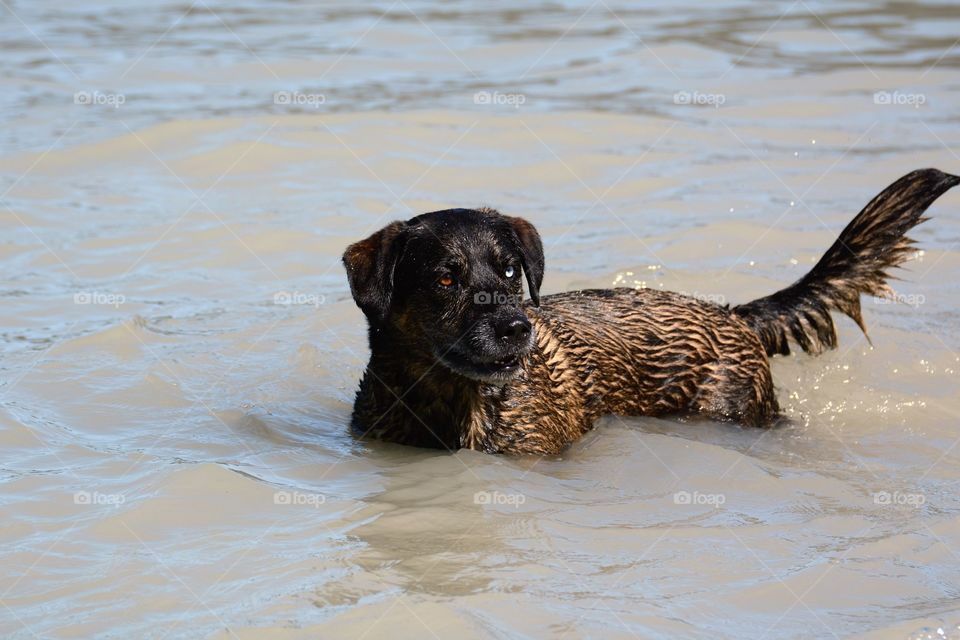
[180,352]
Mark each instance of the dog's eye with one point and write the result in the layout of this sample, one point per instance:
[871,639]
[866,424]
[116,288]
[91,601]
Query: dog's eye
[446,280]
[509,272]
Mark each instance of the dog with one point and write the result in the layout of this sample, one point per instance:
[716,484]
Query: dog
[458,359]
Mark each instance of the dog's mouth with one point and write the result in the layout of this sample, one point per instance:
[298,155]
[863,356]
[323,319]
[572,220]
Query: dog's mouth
[500,370]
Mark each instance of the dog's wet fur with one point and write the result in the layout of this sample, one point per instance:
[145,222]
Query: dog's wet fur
[458,359]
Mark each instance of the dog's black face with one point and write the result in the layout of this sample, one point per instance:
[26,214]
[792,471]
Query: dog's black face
[449,282]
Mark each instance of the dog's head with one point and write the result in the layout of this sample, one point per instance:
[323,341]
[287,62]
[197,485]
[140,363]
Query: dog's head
[449,282]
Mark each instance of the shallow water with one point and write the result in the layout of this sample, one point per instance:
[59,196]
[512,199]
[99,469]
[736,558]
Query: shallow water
[173,449]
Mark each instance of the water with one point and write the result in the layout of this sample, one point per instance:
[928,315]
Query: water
[174,457]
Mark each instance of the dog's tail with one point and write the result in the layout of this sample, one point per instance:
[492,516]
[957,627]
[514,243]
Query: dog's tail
[856,264]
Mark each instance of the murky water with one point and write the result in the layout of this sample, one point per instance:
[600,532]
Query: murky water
[179,350]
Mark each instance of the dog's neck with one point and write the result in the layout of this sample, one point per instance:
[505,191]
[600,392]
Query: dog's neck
[410,397]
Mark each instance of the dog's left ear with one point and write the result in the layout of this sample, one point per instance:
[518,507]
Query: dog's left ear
[531,254]
[370,266]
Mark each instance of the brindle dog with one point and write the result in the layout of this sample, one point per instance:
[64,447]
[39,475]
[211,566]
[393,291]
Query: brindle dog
[459,360]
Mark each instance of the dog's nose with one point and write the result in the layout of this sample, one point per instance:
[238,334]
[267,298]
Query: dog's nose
[513,329]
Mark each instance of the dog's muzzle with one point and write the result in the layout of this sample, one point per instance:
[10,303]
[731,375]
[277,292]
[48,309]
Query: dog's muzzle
[494,351]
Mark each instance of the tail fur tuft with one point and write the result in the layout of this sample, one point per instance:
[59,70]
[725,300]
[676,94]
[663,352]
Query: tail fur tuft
[855,264]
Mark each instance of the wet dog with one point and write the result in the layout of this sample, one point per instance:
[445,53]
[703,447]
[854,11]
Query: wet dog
[458,359]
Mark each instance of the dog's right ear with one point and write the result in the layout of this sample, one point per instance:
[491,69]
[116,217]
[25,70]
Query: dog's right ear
[370,266]
[531,255]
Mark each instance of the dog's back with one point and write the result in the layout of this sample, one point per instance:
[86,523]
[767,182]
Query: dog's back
[627,352]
